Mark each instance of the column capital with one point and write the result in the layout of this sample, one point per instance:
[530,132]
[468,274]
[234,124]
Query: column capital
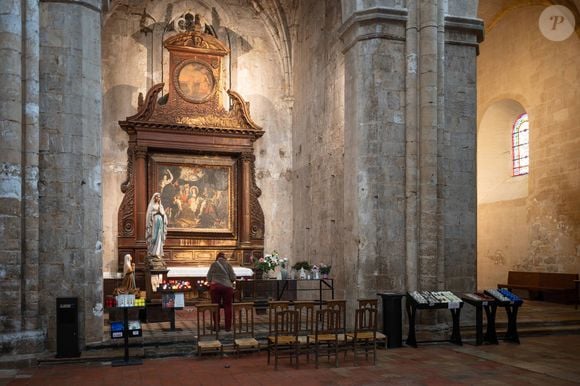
[247,157]
[140,151]
[463,31]
[373,23]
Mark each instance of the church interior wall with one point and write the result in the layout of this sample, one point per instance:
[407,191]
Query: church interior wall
[531,222]
[318,138]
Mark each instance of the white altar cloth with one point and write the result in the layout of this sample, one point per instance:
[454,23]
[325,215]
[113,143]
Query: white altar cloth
[202,271]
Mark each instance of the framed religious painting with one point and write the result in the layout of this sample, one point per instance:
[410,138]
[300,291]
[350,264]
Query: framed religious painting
[194,81]
[197,192]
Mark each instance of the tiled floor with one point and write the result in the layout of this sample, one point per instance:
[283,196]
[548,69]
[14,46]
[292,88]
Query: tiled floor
[552,358]
[546,360]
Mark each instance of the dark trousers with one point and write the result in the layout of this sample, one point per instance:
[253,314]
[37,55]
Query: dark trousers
[223,295]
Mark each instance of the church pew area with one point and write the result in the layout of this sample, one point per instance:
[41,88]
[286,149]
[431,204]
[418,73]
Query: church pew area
[560,287]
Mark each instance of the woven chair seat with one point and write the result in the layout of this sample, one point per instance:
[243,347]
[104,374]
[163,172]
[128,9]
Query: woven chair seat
[324,338]
[363,335]
[247,343]
[283,339]
[210,344]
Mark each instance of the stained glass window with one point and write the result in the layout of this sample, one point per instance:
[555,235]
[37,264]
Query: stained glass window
[521,145]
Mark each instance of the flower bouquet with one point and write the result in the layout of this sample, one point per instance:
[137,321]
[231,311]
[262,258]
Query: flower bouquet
[325,270]
[270,263]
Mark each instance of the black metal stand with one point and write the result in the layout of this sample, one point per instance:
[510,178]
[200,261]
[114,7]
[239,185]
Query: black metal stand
[283,285]
[412,306]
[512,329]
[126,361]
[490,307]
[392,318]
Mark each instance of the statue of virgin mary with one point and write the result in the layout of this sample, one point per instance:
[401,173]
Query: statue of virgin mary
[155,232]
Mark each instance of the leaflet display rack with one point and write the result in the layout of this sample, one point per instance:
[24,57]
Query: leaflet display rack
[126,361]
[431,300]
[172,300]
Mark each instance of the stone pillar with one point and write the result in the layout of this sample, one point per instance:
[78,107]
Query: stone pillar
[19,334]
[429,103]
[11,100]
[374,154]
[457,145]
[70,220]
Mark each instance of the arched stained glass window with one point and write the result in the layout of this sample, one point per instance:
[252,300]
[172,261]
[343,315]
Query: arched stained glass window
[521,145]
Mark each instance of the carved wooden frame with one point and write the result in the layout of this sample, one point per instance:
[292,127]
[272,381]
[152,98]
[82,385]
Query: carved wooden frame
[187,130]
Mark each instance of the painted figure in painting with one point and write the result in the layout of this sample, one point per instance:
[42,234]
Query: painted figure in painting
[196,197]
[156,232]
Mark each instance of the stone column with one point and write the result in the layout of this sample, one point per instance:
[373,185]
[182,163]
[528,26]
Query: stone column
[70,220]
[374,156]
[19,333]
[457,145]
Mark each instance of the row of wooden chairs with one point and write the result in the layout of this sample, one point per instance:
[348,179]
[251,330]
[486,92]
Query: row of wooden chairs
[295,327]
[243,329]
[299,327]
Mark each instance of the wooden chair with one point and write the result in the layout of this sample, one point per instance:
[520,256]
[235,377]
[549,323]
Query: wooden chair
[273,307]
[364,336]
[207,332]
[343,340]
[243,326]
[374,304]
[325,338]
[306,311]
[283,342]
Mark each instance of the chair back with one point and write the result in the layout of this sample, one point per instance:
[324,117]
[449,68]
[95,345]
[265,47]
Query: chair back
[286,324]
[273,308]
[368,303]
[206,317]
[340,306]
[306,310]
[328,321]
[365,321]
[243,320]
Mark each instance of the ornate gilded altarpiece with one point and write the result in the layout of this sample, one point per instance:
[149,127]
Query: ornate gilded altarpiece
[199,157]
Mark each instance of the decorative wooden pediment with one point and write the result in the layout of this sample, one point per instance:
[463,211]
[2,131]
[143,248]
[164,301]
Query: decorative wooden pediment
[185,140]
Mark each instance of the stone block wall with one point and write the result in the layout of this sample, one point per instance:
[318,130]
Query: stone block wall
[318,137]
